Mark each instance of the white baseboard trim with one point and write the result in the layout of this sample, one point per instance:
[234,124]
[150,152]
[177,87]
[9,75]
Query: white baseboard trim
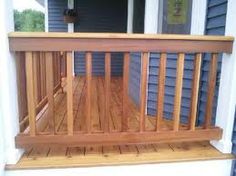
[213,167]
[223,146]
[14,156]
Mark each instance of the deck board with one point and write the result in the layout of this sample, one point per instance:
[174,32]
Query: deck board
[57,157]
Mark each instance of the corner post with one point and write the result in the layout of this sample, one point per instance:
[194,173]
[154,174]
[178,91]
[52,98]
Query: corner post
[227,94]
[8,89]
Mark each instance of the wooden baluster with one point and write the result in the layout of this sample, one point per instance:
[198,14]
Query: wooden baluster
[88,58]
[143,90]
[30,92]
[178,91]
[50,88]
[107,90]
[35,74]
[195,89]
[70,120]
[161,91]
[124,120]
[211,89]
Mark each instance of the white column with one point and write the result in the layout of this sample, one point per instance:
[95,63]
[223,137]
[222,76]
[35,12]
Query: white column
[151,16]
[8,88]
[46,15]
[227,91]
[198,17]
[71,5]
[130,16]
[2,146]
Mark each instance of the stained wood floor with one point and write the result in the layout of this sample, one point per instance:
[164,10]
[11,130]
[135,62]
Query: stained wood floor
[57,157]
[97,108]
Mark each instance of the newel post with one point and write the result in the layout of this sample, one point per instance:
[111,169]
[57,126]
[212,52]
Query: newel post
[227,91]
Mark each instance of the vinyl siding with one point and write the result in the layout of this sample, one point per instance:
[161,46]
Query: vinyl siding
[134,77]
[169,85]
[215,25]
[233,172]
[55,16]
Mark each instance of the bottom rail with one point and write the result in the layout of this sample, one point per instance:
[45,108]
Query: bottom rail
[122,138]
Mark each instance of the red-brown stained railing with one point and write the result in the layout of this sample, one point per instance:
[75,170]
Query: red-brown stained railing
[124,120]
[88,43]
[211,89]
[107,90]
[195,89]
[143,90]
[88,58]
[69,81]
[161,91]
[30,92]
[178,91]
[50,92]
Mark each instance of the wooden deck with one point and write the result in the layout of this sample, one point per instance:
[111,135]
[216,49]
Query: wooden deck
[63,156]
[97,109]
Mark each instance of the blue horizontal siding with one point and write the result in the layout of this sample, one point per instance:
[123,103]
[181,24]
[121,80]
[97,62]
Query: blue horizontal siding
[55,16]
[98,63]
[169,85]
[134,77]
[215,25]
[233,172]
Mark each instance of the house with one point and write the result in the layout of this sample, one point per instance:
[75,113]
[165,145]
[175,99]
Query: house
[132,103]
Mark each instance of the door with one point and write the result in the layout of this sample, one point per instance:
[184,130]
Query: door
[100,16]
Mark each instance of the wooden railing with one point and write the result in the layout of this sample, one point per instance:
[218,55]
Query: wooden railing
[49,43]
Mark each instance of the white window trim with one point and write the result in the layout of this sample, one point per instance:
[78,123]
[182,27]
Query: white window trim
[227,94]
[130,16]
[71,5]
[46,15]
[199,8]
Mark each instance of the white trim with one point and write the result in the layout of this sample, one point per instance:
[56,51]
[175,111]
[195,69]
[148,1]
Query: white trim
[151,16]
[198,17]
[160,17]
[227,94]
[150,27]
[71,5]
[46,15]
[8,88]
[130,16]
[213,167]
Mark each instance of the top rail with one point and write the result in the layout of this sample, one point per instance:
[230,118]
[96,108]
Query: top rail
[113,42]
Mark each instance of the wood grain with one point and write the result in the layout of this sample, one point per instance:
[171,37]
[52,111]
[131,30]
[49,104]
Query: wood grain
[124,138]
[30,92]
[178,91]
[118,42]
[118,35]
[195,90]
[125,91]
[161,91]
[70,119]
[50,90]
[107,90]
[211,90]
[143,90]
[88,58]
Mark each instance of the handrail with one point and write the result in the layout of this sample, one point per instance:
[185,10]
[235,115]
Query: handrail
[113,42]
[118,36]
